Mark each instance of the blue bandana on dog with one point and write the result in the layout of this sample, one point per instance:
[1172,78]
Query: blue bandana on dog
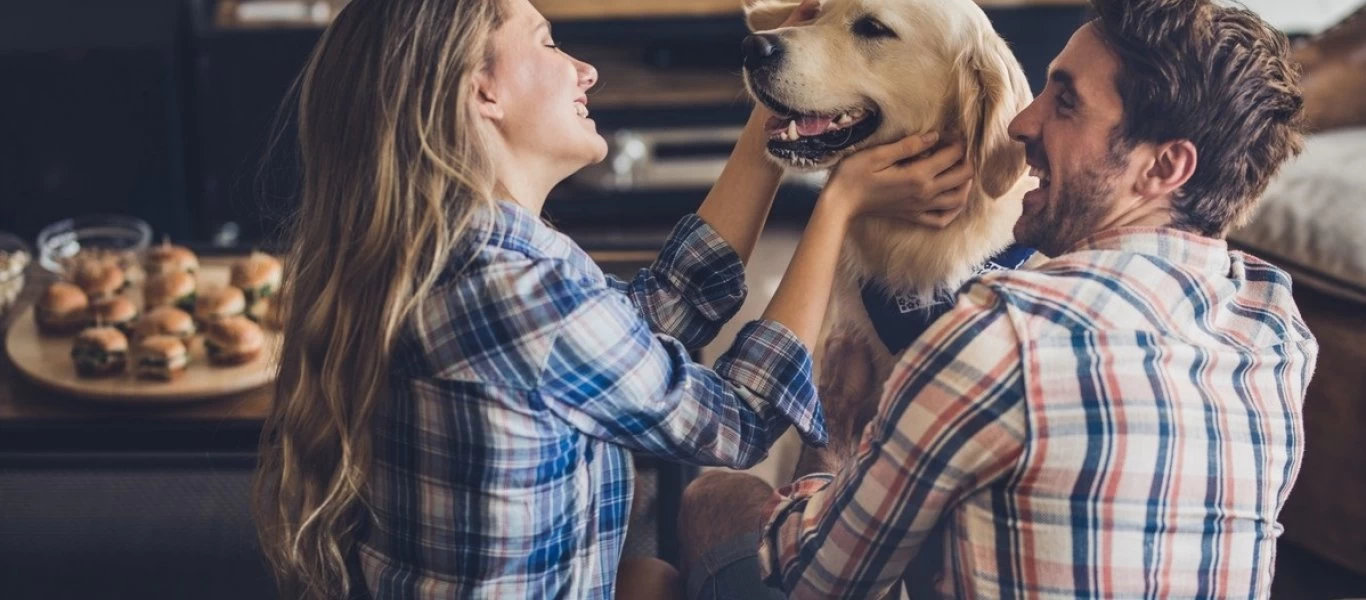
[900,318]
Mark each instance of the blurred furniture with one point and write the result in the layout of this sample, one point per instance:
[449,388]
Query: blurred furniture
[1334,81]
[1310,222]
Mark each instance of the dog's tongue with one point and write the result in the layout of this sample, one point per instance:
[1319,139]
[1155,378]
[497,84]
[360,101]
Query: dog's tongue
[813,125]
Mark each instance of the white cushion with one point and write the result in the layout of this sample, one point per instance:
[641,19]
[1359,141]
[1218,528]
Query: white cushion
[1312,220]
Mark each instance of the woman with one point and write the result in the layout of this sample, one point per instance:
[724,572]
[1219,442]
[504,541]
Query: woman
[461,386]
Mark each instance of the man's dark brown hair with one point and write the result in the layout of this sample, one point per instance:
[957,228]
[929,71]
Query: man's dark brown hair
[1218,76]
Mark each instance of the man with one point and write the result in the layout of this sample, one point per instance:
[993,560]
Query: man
[1121,421]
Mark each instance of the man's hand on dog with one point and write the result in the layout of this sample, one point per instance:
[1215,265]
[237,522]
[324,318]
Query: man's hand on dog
[902,180]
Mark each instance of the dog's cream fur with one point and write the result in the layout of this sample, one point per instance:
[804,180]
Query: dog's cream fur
[946,71]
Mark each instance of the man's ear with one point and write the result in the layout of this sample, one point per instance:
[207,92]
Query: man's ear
[485,101]
[763,15]
[1173,164]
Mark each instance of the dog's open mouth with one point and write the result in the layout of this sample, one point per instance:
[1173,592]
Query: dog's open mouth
[809,138]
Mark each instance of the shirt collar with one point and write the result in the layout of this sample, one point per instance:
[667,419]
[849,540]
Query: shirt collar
[512,227]
[1180,247]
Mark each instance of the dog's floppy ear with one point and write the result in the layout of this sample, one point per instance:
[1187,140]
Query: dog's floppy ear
[763,15]
[991,91]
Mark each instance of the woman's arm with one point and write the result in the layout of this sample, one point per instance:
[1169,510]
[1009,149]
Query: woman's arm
[610,376]
[738,205]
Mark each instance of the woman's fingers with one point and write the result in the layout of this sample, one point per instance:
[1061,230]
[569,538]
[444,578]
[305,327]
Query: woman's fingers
[953,178]
[890,154]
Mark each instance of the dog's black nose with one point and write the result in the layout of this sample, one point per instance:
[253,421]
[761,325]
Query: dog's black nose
[761,49]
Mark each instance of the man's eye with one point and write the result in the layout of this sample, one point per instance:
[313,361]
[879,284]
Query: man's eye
[869,27]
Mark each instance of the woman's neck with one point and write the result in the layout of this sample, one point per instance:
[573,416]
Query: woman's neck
[526,182]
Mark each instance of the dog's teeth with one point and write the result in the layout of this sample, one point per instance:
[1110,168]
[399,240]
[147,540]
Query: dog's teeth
[792,131]
[844,119]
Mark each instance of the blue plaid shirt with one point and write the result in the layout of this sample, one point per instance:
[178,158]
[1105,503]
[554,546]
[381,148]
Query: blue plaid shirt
[521,387]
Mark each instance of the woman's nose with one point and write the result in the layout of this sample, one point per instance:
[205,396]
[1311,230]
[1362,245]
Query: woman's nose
[588,75]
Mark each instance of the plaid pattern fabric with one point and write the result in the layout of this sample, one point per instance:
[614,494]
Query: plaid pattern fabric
[502,457]
[1120,422]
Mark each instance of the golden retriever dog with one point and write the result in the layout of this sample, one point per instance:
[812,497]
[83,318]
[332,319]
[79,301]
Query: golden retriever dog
[868,72]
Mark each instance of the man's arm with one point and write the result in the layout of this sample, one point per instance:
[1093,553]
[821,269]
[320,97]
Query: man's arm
[951,422]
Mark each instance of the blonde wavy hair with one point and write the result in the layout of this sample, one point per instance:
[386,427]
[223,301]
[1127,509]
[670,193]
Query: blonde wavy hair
[393,170]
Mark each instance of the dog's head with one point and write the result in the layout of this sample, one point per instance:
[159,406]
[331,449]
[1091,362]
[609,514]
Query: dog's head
[867,72]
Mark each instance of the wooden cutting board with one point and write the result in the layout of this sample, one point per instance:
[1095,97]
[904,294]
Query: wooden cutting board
[47,361]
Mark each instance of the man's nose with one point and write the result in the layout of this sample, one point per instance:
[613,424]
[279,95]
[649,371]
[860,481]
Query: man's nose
[761,50]
[1024,126]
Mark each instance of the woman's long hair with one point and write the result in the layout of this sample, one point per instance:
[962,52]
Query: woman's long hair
[393,170]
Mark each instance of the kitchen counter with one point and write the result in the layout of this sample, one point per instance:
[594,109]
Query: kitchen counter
[39,426]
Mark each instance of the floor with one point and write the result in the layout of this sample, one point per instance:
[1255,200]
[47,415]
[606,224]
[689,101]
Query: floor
[1300,575]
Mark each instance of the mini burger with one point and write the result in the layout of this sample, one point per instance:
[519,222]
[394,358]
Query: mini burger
[176,288]
[117,312]
[101,279]
[165,320]
[161,357]
[258,276]
[233,341]
[219,304]
[100,351]
[167,258]
[63,309]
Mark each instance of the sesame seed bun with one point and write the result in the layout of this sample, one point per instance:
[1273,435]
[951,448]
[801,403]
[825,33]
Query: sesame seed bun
[169,288]
[108,339]
[167,258]
[100,351]
[100,279]
[221,303]
[63,308]
[257,270]
[233,340]
[165,320]
[161,357]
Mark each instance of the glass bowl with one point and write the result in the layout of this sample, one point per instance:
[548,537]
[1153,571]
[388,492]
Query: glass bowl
[15,257]
[62,243]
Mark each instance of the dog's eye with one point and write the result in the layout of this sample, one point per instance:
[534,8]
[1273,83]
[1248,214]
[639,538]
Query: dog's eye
[870,27]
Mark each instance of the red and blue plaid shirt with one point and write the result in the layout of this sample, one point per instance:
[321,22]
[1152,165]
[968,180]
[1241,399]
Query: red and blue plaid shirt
[502,454]
[1123,421]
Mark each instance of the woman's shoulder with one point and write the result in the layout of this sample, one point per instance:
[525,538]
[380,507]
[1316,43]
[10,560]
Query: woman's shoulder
[505,312]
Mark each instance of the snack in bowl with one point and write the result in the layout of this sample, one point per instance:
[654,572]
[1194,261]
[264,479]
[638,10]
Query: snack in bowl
[233,340]
[219,304]
[62,309]
[12,265]
[258,276]
[165,320]
[100,279]
[160,357]
[117,312]
[169,258]
[100,351]
[177,288]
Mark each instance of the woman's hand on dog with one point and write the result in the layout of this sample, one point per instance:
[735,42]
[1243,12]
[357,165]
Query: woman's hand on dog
[895,181]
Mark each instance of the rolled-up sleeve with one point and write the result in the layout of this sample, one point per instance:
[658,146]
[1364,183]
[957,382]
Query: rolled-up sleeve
[609,375]
[952,420]
[695,285]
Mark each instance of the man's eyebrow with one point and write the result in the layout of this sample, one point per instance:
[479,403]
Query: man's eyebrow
[544,24]
[1064,78]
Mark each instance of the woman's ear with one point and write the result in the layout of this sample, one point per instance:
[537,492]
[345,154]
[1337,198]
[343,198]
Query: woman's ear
[485,99]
